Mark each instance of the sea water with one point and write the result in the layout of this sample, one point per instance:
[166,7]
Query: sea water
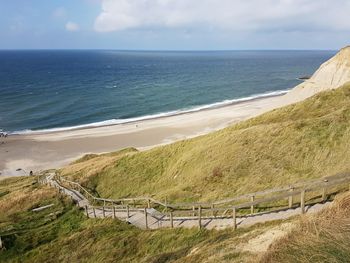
[46,90]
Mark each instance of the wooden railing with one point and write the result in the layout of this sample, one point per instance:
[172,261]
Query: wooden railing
[292,196]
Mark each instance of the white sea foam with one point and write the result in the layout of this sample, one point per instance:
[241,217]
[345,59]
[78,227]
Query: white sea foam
[155,116]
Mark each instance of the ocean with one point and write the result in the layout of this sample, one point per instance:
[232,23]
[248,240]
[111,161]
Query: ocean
[45,90]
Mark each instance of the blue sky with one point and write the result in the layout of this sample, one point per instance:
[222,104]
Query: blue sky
[174,24]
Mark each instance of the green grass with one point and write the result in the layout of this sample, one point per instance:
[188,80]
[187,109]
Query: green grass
[302,141]
[62,234]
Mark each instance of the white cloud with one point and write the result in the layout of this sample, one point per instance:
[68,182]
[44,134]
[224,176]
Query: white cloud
[71,26]
[243,15]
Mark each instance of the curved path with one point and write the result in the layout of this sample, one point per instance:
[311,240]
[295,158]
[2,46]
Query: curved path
[152,219]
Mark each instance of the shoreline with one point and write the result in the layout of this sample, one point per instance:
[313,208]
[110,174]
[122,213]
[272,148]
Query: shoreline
[41,151]
[206,107]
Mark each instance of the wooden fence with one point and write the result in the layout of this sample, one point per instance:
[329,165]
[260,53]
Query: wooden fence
[291,196]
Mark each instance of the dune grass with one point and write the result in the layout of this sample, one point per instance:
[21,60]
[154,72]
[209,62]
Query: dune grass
[321,238]
[61,233]
[306,140]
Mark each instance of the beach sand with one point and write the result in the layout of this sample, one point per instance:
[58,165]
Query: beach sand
[23,153]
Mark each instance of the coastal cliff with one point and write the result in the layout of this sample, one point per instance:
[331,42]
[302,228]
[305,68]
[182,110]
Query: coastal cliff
[332,74]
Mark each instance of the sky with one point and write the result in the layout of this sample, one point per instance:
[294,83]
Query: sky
[174,24]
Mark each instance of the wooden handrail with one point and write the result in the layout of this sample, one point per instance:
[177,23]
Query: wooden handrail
[278,194]
[197,212]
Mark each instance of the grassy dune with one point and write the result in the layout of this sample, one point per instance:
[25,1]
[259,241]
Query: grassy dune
[61,233]
[321,238]
[306,140]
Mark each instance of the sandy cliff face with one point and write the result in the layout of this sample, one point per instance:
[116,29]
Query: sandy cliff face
[331,74]
[335,72]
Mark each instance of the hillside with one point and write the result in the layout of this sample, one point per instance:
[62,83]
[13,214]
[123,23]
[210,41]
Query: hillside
[305,140]
[61,233]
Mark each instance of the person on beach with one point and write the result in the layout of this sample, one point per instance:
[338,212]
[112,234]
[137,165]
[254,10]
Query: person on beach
[3,135]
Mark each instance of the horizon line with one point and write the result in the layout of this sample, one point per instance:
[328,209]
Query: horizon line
[156,50]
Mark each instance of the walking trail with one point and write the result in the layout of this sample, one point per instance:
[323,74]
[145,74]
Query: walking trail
[150,218]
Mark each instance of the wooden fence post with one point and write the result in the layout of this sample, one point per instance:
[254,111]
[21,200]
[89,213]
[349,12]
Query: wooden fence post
[324,191]
[290,198]
[87,211]
[114,212]
[323,194]
[234,218]
[200,217]
[103,211]
[252,198]
[146,219]
[212,210]
[0,243]
[127,212]
[302,201]
[171,220]
[148,203]
[93,209]
[194,211]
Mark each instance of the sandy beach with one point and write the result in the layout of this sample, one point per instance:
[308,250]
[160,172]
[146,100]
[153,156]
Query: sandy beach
[23,153]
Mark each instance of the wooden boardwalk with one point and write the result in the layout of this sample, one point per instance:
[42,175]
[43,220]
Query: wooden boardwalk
[234,212]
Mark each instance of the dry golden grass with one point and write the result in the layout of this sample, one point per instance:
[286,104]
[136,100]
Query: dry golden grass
[21,196]
[324,237]
[24,200]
